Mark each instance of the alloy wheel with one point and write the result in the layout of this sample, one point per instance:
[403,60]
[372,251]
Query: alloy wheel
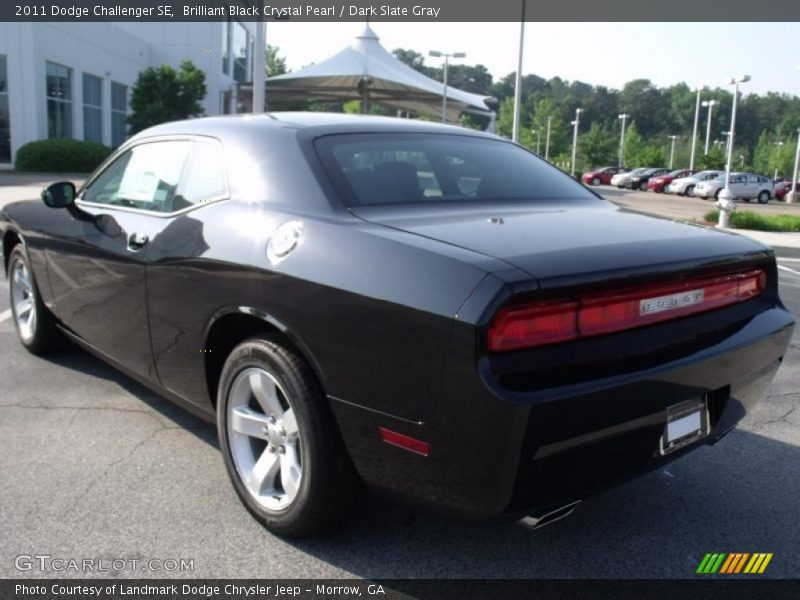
[264,439]
[23,300]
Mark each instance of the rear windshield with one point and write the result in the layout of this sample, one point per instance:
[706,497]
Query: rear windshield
[385,168]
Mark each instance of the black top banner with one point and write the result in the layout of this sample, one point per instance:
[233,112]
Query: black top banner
[403,10]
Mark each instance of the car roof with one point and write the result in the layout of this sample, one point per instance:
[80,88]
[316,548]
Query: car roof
[321,123]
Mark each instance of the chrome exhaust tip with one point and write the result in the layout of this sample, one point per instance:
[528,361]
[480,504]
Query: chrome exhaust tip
[539,520]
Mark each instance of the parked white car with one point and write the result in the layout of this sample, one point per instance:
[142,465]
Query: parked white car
[620,179]
[685,185]
[745,186]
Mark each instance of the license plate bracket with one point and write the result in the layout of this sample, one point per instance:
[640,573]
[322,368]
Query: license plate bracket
[686,423]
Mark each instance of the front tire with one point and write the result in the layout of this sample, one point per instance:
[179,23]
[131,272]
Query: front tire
[643,186]
[689,191]
[280,443]
[35,324]
[596,181]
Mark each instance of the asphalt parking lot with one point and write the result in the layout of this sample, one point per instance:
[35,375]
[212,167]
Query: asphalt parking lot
[93,465]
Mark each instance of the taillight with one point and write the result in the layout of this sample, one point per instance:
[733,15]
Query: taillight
[552,322]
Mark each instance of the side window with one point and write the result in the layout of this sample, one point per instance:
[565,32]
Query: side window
[204,180]
[752,179]
[144,177]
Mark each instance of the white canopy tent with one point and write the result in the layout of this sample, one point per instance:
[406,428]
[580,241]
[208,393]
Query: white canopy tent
[366,71]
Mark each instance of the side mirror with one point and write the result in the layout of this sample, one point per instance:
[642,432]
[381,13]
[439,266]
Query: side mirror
[59,195]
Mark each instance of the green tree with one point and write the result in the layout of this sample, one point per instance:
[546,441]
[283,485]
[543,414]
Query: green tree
[597,147]
[634,145]
[715,159]
[652,156]
[163,94]
[274,63]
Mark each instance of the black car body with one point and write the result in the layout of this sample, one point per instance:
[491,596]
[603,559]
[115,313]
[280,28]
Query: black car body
[640,181]
[467,346]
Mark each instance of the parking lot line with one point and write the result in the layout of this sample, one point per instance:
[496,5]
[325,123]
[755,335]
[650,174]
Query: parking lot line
[788,270]
[6,314]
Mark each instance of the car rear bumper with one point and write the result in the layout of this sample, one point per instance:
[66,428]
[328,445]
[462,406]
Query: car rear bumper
[493,451]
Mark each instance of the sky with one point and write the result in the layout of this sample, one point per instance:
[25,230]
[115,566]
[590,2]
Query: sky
[597,53]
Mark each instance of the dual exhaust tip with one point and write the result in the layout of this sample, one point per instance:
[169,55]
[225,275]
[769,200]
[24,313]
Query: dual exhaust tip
[539,520]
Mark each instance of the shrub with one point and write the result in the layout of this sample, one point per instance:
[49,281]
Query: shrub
[61,156]
[756,222]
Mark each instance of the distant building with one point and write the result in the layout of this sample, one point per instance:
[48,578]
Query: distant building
[73,80]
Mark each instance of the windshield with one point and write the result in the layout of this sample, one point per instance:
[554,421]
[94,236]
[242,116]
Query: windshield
[638,171]
[406,168]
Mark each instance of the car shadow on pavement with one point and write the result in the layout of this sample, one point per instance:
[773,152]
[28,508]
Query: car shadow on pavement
[737,496]
[77,359]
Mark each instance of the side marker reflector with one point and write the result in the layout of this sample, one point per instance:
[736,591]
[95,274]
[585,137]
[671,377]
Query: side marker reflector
[403,441]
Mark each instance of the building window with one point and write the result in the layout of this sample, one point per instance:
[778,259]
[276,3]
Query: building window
[241,52]
[119,113]
[226,47]
[59,101]
[5,118]
[92,108]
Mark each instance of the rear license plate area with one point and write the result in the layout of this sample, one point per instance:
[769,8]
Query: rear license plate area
[686,423]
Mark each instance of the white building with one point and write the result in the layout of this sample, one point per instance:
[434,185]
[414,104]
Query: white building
[73,80]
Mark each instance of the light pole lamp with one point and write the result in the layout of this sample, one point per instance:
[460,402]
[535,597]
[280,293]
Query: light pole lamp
[726,204]
[694,130]
[623,117]
[710,104]
[672,150]
[547,139]
[575,124]
[447,56]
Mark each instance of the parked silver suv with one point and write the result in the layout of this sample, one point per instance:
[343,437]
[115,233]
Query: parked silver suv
[745,186]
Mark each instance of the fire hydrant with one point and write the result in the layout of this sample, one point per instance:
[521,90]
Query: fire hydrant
[726,206]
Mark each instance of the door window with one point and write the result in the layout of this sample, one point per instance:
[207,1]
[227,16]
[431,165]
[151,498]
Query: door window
[145,177]
[204,180]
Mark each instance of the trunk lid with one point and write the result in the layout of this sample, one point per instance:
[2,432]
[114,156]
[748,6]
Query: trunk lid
[568,242]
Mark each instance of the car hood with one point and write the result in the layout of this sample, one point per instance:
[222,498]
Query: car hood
[582,239]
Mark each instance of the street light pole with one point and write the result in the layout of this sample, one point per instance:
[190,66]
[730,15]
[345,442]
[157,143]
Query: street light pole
[447,56]
[672,150]
[259,69]
[518,84]
[547,140]
[710,104]
[694,130]
[726,204]
[796,166]
[575,125]
[623,117]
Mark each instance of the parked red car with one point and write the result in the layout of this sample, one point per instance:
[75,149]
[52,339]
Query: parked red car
[657,184]
[603,175]
[782,188]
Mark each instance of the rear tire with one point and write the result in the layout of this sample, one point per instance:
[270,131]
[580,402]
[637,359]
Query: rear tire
[763,197]
[281,447]
[717,193]
[35,325]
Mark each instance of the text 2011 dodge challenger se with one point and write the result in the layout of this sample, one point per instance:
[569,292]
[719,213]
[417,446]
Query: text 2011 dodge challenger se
[432,311]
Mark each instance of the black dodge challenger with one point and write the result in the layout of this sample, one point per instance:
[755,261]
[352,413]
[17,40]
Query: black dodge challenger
[434,312]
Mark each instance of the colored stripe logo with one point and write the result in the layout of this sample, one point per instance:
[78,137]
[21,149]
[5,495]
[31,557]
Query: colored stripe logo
[734,562]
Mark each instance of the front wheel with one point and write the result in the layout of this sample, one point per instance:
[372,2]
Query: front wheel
[763,197]
[643,186]
[689,191]
[596,181]
[280,443]
[35,325]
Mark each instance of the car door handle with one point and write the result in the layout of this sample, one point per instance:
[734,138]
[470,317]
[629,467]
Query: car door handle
[137,241]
